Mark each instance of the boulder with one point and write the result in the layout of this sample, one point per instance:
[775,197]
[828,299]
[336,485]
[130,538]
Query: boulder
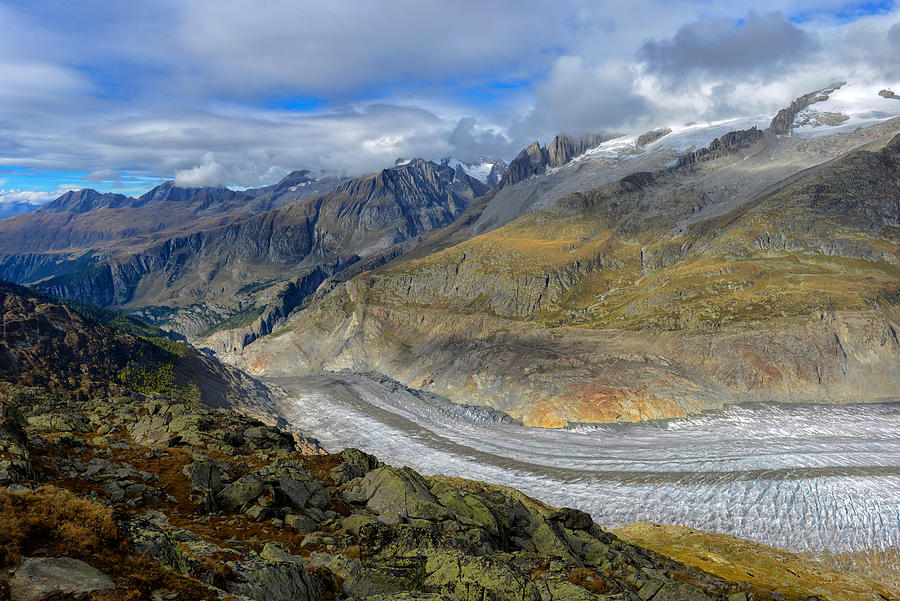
[301,522]
[268,437]
[204,474]
[679,591]
[380,576]
[573,519]
[354,464]
[60,422]
[300,494]
[38,578]
[148,538]
[273,576]
[240,493]
[401,492]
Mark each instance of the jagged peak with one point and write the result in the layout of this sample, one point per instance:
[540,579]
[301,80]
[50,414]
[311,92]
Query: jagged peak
[297,176]
[84,200]
[783,122]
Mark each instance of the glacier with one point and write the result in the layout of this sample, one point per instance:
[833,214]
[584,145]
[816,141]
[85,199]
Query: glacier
[800,477]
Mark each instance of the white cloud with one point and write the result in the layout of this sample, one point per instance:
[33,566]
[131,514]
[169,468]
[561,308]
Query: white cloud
[210,173]
[103,175]
[151,89]
[335,48]
[32,197]
[577,96]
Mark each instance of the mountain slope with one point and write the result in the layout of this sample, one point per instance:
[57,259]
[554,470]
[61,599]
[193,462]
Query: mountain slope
[78,351]
[208,250]
[661,294]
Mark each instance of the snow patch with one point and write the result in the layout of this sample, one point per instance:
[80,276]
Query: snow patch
[480,171]
[853,106]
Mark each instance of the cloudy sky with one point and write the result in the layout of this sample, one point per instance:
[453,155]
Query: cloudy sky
[122,95]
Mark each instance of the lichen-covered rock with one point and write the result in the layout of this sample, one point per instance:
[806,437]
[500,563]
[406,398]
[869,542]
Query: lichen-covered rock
[301,522]
[13,442]
[401,492]
[172,423]
[467,508]
[148,538]
[386,575]
[204,474]
[354,464]
[573,519]
[240,493]
[300,494]
[292,485]
[38,578]
[407,597]
[476,578]
[60,422]
[276,577]
[679,591]
[267,437]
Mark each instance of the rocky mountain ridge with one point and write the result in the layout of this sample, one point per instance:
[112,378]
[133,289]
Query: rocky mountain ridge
[536,159]
[305,240]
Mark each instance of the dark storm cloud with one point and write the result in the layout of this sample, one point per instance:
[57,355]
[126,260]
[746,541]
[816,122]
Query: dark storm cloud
[760,44]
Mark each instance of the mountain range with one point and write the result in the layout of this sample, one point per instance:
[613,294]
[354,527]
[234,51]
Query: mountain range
[602,277]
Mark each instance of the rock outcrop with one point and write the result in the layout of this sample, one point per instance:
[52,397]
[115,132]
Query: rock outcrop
[783,122]
[652,136]
[161,498]
[38,578]
[535,159]
[202,519]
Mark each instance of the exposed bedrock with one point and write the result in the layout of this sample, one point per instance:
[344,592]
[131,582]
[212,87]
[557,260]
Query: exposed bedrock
[554,376]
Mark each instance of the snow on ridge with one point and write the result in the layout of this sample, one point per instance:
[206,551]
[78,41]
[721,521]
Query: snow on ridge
[681,139]
[852,106]
[480,171]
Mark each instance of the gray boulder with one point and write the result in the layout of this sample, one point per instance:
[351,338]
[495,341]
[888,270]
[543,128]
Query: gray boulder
[240,493]
[355,464]
[204,474]
[148,538]
[381,576]
[401,492]
[274,576]
[38,578]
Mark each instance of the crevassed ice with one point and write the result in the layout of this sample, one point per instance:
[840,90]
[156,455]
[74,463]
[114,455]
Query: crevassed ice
[798,477]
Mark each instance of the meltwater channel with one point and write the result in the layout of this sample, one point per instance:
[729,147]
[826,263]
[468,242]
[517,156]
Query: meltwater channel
[801,477]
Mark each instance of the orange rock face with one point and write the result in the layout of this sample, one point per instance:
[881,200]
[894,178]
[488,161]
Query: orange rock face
[601,402]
